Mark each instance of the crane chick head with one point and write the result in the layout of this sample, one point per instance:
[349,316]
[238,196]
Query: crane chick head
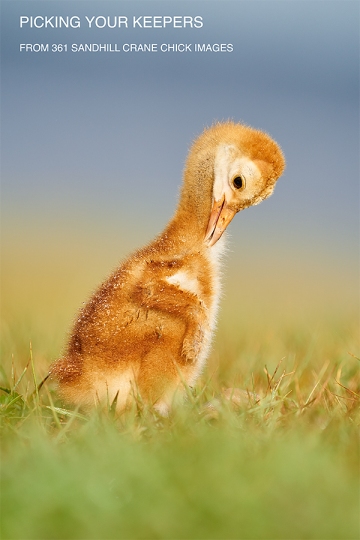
[247,164]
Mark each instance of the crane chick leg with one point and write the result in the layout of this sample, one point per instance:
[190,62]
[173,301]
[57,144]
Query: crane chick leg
[171,300]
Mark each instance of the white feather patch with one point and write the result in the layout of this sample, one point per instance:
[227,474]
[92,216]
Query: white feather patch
[184,281]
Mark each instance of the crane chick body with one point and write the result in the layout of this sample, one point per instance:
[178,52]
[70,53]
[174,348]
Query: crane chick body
[147,329]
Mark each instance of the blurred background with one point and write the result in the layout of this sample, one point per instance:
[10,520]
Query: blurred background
[93,147]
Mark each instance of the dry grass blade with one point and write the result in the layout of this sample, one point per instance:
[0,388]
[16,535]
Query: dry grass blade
[21,376]
[65,412]
[271,378]
[348,389]
[320,376]
[34,374]
[349,398]
[13,370]
[282,376]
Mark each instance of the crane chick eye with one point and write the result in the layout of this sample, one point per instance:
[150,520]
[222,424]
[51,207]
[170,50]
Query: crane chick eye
[238,182]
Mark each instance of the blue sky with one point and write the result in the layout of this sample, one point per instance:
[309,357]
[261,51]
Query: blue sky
[100,139]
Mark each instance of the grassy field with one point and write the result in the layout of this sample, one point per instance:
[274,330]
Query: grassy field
[275,458]
[279,460]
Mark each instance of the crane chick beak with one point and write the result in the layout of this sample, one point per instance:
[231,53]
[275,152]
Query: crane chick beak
[220,217]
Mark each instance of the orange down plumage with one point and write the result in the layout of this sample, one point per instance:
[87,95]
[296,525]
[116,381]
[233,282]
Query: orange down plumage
[147,329]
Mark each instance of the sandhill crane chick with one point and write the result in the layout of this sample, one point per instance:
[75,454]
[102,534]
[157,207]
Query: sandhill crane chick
[147,330]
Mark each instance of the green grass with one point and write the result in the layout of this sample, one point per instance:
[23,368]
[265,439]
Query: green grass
[282,463]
